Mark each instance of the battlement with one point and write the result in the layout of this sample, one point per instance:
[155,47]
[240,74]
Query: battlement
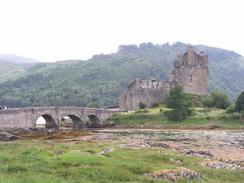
[150,84]
[190,71]
[149,92]
[191,59]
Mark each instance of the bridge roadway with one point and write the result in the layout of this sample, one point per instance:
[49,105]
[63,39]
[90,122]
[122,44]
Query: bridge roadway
[27,117]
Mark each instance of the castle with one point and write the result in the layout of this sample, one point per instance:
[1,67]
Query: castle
[190,71]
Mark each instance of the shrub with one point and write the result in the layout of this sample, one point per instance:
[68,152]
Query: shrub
[176,115]
[208,118]
[240,102]
[230,109]
[242,116]
[155,105]
[197,100]
[142,105]
[206,101]
[180,104]
[145,111]
[141,111]
[235,117]
[218,100]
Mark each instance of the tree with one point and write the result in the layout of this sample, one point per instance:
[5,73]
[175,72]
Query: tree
[218,100]
[142,105]
[240,102]
[179,103]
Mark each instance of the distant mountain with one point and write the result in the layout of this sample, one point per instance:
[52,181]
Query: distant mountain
[13,66]
[99,80]
[18,59]
[10,70]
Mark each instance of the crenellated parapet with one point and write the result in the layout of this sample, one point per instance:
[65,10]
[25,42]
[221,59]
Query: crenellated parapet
[149,92]
[190,71]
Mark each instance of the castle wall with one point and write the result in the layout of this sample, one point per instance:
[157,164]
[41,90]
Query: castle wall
[146,92]
[193,80]
[190,71]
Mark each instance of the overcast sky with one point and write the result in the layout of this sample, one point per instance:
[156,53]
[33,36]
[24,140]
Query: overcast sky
[51,30]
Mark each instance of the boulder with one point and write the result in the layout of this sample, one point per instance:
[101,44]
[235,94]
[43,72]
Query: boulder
[175,174]
[59,152]
[196,152]
[105,151]
[217,164]
[4,136]
[157,144]
[137,144]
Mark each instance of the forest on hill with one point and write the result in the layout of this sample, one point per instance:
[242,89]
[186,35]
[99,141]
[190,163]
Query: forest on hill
[97,82]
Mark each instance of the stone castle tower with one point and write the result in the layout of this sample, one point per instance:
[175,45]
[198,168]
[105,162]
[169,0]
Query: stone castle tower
[191,71]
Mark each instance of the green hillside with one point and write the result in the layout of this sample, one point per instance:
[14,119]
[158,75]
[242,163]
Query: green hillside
[99,80]
[10,70]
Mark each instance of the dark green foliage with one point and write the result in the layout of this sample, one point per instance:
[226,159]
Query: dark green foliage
[142,105]
[155,105]
[141,111]
[197,100]
[180,104]
[176,114]
[99,81]
[231,109]
[218,100]
[9,70]
[240,102]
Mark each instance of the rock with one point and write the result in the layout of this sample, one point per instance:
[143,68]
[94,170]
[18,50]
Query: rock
[138,144]
[217,164]
[158,144]
[105,151]
[59,152]
[196,153]
[175,174]
[212,127]
[176,161]
[4,136]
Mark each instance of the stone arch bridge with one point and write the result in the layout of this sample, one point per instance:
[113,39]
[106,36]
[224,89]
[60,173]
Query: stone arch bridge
[27,117]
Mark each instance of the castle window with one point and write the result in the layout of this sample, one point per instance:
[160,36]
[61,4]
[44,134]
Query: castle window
[191,78]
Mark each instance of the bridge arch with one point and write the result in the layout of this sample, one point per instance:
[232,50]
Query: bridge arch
[27,117]
[76,122]
[45,121]
[94,121]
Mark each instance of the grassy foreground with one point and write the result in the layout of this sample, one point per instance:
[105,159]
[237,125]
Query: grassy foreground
[36,162]
[201,118]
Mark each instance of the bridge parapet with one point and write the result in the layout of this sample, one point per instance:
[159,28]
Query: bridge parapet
[27,117]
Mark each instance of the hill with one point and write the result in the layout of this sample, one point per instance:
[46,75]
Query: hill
[17,59]
[14,66]
[10,70]
[99,80]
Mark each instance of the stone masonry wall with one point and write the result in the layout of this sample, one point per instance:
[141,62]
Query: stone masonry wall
[26,117]
[190,71]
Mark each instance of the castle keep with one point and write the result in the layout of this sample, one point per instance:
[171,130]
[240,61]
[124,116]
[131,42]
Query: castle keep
[190,71]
